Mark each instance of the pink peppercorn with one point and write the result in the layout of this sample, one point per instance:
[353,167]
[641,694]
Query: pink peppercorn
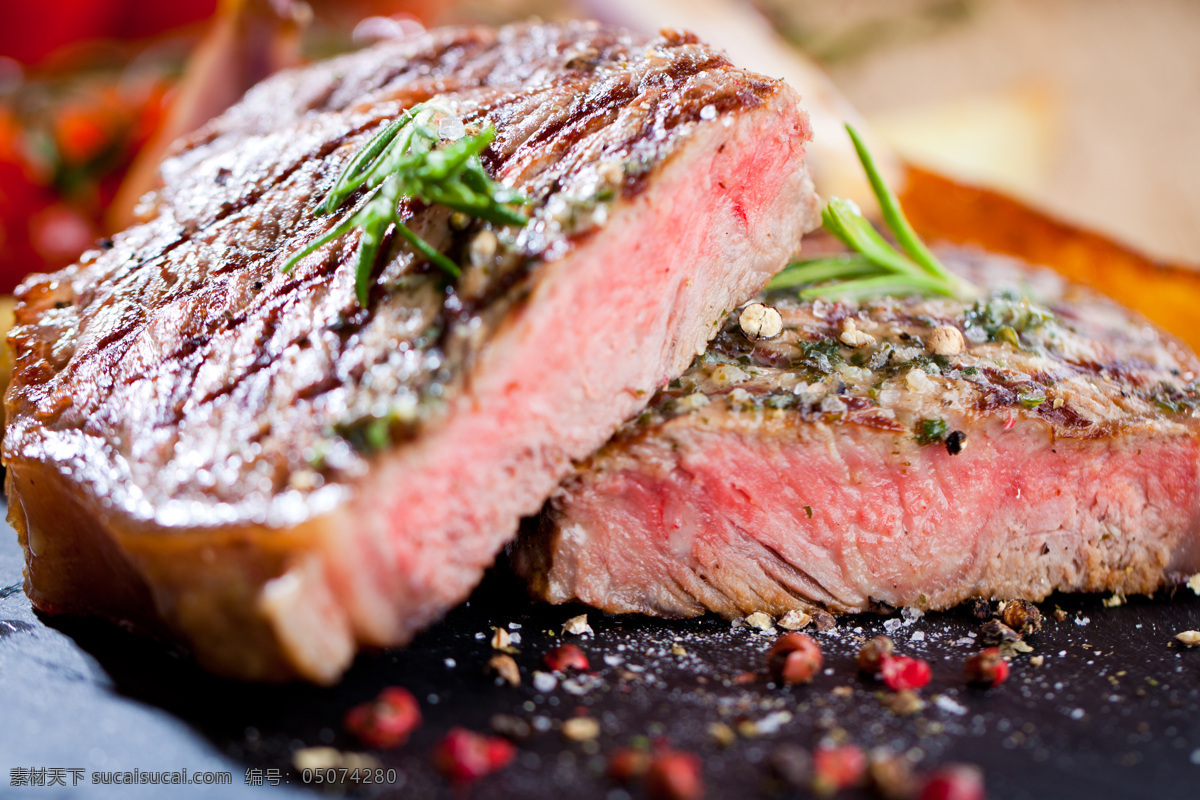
[954,782]
[385,721]
[464,756]
[987,667]
[902,672]
[794,658]
[565,657]
[836,768]
[674,776]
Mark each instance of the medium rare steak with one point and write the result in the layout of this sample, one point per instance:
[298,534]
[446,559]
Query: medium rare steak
[861,460]
[250,461]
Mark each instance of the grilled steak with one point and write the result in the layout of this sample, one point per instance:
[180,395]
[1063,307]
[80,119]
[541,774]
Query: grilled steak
[1058,450]
[253,463]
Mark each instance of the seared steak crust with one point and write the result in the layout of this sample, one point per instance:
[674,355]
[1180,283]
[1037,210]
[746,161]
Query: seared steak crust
[1058,450]
[276,473]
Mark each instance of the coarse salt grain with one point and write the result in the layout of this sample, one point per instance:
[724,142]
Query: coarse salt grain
[918,380]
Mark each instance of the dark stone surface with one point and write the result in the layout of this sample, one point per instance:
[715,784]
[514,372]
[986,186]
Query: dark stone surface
[1113,712]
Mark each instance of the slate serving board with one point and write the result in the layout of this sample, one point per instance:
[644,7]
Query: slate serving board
[1113,712]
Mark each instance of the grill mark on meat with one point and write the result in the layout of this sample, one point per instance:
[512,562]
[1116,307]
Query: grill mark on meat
[1128,371]
[230,207]
[247,373]
[447,56]
[289,292]
[870,419]
[1079,470]
[185,349]
[1068,417]
[127,271]
[597,108]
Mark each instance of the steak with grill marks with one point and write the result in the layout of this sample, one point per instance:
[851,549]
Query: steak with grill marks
[1058,450]
[247,460]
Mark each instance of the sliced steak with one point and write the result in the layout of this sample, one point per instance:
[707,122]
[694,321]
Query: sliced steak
[250,461]
[1059,450]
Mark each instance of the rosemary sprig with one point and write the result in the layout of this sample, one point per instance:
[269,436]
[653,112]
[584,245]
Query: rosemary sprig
[408,159]
[874,267]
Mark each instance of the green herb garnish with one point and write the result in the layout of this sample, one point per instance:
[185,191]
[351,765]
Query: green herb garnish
[408,159]
[1005,317]
[1031,400]
[371,433]
[874,267]
[930,431]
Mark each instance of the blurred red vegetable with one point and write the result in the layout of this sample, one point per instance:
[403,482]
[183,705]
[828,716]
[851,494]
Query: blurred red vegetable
[32,32]
[74,119]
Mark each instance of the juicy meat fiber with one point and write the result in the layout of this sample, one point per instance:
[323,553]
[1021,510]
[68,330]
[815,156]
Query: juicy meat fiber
[802,472]
[251,462]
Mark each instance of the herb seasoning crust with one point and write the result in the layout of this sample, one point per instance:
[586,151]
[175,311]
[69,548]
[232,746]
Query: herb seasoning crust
[1054,448]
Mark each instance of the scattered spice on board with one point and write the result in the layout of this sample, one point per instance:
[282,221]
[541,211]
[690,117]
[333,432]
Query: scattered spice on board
[1022,616]
[994,632]
[791,764]
[1188,638]
[872,654]
[463,756]
[673,775]
[511,727]
[987,668]
[903,672]
[761,621]
[794,620]
[836,768]
[1014,649]
[628,764]
[502,641]
[722,734]
[385,721]
[504,667]
[981,608]
[903,703]
[794,658]
[566,657]
[325,758]
[824,621]
[891,776]
[580,729]
[954,782]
